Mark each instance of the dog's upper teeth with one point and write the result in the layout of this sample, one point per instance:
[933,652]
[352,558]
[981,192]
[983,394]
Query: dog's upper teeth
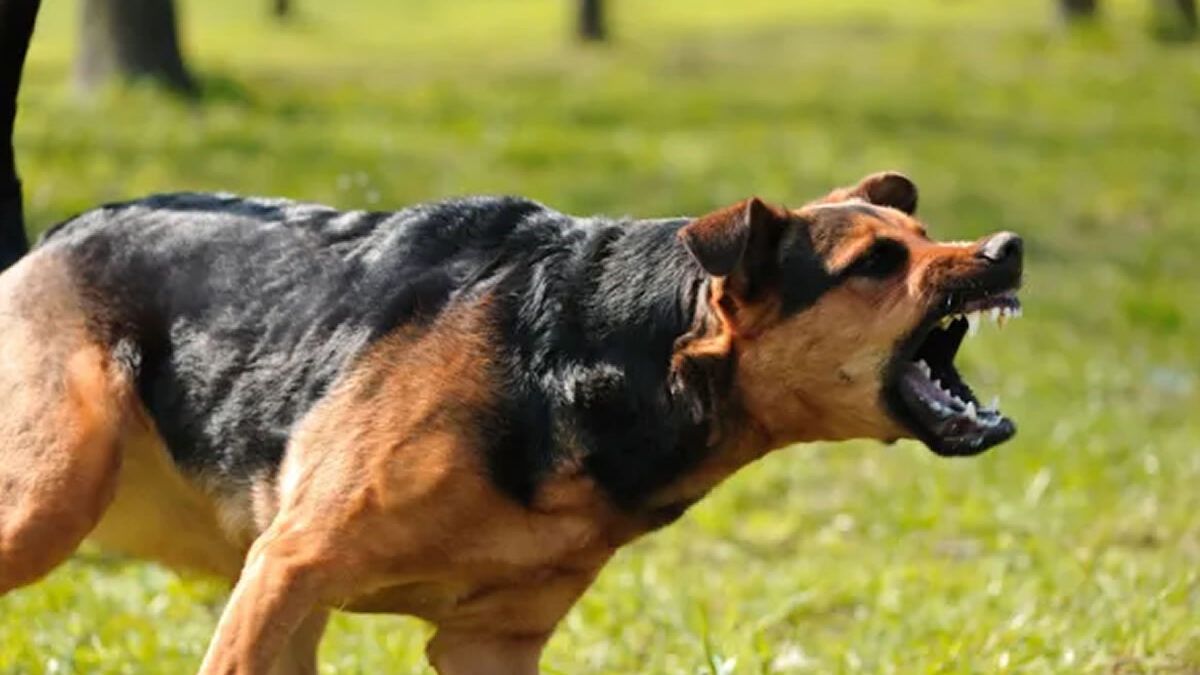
[973,323]
[995,314]
[995,405]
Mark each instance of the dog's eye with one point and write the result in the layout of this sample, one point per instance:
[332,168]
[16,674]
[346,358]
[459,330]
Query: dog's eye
[883,259]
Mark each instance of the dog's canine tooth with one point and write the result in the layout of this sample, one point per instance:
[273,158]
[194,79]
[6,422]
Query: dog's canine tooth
[995,404]
[924,368]
[971,409]
[973,323]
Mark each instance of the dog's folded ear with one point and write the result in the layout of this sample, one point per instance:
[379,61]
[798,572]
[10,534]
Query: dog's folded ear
[889,188]
[886,188]
[721,240]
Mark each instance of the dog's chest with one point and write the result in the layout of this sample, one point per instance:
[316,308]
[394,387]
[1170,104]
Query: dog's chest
[503,576]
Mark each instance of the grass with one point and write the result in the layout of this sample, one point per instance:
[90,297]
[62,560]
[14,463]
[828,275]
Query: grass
[1073,549]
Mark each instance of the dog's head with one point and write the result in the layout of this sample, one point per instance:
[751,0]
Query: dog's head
[844,317]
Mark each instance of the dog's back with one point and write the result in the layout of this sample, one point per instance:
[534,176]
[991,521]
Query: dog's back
[235,315]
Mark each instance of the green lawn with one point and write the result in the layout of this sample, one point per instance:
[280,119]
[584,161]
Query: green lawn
[1073,549]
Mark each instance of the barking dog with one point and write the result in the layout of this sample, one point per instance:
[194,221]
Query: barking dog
[459,410]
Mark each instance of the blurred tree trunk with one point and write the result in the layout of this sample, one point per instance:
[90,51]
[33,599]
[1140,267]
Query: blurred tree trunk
[1073,10]
[1174,19]
[16,26]
[281,9]
[591,26]
[131,39]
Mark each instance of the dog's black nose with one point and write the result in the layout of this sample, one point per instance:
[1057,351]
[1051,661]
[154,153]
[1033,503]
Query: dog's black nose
[1003,247]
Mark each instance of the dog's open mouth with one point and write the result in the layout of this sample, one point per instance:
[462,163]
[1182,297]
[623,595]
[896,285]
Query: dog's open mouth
[929,395]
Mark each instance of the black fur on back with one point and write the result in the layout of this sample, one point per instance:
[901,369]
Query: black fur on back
[238,314]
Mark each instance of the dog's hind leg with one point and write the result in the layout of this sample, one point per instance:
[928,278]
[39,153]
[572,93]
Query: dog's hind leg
[63,404]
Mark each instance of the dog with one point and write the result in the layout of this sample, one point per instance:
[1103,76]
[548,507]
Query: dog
[459,410]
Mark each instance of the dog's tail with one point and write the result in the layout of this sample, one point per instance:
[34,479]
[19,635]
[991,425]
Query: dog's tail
[16,27]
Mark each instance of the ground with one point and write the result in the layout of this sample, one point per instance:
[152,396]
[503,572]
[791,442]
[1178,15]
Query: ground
[1073,549]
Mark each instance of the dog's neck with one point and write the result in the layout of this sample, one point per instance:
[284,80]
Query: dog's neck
[704,370]
[669,426]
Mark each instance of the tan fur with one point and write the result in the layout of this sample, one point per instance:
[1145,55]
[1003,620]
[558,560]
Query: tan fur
[65,408]
[159,515]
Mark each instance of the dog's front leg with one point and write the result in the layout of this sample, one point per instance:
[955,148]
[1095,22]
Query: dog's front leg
[502,631]
[280,587]
[474,653]
[299,657]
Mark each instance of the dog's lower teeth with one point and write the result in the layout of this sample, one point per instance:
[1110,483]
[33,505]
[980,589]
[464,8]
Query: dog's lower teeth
[971,410]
